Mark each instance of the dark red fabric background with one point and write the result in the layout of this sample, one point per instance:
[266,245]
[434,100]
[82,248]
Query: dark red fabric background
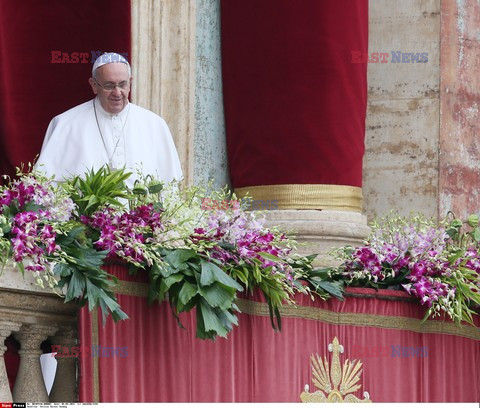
[33,89]
[295,104]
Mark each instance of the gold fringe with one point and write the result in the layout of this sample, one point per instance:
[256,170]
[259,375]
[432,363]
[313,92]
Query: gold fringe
[315,313]
[307,196]
[96,379]
[362,319]
[131,288]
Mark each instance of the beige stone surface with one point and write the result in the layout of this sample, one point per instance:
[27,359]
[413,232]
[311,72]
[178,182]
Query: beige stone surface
[460,115]
[402,132]
[12,278]
[321,231]
[401,160]
[64,388]
[6,328]
[29,385]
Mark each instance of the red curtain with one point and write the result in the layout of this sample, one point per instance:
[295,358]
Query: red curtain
[168,364]
[295,104]
[34,86]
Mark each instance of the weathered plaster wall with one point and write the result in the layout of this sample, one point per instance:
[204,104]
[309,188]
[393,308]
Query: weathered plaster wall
[459,178]
[210,157]
[402,136]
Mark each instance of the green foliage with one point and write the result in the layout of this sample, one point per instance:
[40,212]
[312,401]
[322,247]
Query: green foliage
[191,280]
[83,277]
[98,189]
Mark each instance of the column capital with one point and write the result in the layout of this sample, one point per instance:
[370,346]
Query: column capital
[31,337]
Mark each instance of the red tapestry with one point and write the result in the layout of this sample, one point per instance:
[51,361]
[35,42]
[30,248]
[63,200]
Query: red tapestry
[46,50]
[150,359]
[295,103]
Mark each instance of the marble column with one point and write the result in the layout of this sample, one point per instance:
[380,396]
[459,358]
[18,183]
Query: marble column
[320,231]
[64,388]
[29,386]
[6,328]
[163,68]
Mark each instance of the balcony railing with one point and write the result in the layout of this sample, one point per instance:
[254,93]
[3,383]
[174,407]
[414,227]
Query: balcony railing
[34,315]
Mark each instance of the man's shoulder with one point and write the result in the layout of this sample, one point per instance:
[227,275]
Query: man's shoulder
[147,114]
[75,111]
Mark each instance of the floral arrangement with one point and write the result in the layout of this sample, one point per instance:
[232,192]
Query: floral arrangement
[200,259]
[438,264]
[196,259]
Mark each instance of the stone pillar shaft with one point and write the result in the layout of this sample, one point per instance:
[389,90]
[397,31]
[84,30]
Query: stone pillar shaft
[65,385]
[6,328]
[29,386]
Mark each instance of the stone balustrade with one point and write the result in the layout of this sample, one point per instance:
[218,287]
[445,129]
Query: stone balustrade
[32,315]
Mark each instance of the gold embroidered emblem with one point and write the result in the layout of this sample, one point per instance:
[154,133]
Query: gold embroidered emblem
[336,384]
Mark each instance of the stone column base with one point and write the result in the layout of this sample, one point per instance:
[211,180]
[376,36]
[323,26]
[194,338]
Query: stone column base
[321,230]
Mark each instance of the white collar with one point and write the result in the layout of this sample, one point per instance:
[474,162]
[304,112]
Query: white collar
[122,114]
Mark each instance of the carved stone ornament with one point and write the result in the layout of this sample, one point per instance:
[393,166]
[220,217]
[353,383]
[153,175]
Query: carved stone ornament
[335,384]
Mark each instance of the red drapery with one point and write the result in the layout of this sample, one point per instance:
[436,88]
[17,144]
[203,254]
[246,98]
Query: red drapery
[295,104]
[34,86]
[255,364]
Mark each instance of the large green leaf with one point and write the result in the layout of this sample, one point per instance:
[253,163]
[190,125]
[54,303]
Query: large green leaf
[187,292]
[76,286]
[333,288]
[178,257]
[218,295]
[211,322]
[212,273]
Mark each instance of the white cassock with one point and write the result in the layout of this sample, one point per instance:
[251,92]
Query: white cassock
[77,141]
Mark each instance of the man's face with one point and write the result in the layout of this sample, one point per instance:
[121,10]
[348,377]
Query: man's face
[115,73]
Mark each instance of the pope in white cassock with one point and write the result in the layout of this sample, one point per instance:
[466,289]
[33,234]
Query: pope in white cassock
[109,130]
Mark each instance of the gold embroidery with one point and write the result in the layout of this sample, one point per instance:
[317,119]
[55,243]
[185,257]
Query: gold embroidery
[307,196]
[131,288]
[362,319]
[345,380]
[327,316]
[96,380]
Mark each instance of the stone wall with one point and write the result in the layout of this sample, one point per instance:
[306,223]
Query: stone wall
[402,133]
[422,149]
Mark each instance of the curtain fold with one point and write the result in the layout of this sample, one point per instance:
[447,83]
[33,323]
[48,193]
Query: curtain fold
[255,364]
[42,73]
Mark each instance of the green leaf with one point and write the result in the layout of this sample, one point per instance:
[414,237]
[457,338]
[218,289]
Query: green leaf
[212,273]
[333,288]
[270,257]
[218,295]
[32,207]
[211,322]
[178,257]
[187,292]
[476,234]
[76,286]
[155,189]
[62,270]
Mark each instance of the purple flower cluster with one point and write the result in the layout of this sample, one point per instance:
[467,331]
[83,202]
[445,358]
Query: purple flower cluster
[421,250]
[31,241]
[22,193]
[249,238]
[57,206]
[124,234]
